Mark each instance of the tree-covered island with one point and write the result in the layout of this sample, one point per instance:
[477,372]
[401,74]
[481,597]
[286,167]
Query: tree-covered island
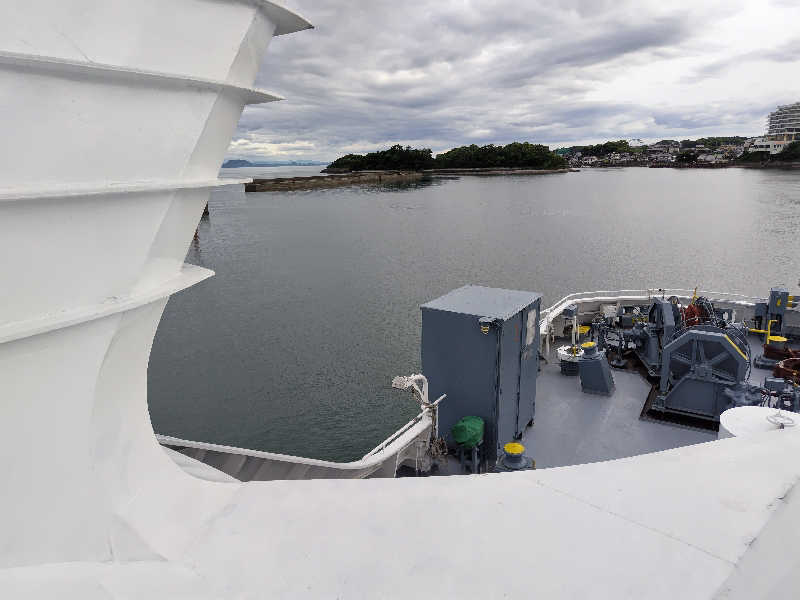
[517,155]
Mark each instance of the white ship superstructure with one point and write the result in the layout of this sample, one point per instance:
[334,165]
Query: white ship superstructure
[116,116]
[132,104]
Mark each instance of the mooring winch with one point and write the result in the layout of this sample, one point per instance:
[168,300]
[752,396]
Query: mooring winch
[697,368]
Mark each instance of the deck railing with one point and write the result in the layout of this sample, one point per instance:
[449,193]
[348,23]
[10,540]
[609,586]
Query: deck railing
[265,466]
[425,410]
[551,313]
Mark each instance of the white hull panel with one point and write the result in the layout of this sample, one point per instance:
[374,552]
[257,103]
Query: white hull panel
[134,103]
[76,423]
[222,40]
[86,260]
[182,127]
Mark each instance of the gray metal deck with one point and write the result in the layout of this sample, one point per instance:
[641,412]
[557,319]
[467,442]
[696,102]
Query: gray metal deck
[575,428]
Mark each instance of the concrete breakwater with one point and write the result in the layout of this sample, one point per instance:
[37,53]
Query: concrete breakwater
[283,184]
[337,179]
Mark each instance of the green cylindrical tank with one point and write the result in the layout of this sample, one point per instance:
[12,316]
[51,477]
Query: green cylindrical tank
[468,431]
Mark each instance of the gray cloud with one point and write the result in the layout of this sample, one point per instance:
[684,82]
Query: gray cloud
[618,41]
[783,53]
[712,116]
[452,72]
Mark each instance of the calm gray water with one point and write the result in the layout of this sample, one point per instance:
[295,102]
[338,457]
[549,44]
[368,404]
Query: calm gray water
[314,308]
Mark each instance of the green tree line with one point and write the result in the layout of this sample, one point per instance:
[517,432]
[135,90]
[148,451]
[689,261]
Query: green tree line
[514,155]
[789,152]
[395,158]
[511,156]
[714,142]
[606,148]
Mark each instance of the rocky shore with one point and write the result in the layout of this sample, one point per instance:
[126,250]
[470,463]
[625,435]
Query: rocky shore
[336,178]
[283,184]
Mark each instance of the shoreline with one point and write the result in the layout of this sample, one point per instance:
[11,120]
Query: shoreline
[333,180]
[282,184]
[726,165]
[791,165]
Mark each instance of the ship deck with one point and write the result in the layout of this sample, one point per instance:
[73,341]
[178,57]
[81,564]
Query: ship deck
[572,427]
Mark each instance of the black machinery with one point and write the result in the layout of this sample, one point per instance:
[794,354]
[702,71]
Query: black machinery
[646,334]
[699,357]
[699,367]
[650,336]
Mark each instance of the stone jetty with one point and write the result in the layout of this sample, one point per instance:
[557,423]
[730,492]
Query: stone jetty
[283,184]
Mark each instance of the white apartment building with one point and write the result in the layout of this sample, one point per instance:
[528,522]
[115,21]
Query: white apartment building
[783,127]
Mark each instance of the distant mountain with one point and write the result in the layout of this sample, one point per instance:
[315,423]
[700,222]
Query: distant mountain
[236,163]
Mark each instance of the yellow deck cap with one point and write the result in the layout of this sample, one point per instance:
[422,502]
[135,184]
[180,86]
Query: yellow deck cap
[778,338]
[588,345]
[514,448]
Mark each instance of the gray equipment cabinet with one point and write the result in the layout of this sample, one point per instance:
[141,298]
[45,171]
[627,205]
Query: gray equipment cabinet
[480,346]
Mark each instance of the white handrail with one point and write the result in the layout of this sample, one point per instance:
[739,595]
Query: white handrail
[551,313]
[650,292]
[364,463]
[402,437]
[404,428]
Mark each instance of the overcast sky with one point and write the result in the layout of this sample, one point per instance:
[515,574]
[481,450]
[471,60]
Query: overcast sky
[444,73]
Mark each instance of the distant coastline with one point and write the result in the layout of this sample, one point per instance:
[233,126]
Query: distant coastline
[519,157]
[237,163]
